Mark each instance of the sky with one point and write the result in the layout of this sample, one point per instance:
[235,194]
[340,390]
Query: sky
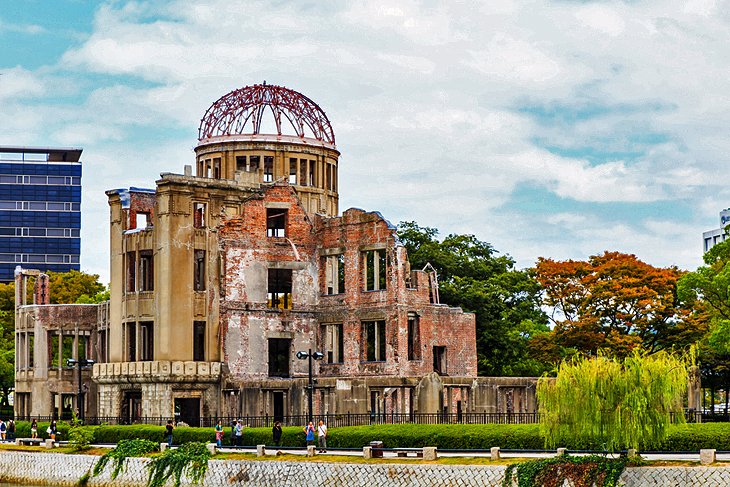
[556,129]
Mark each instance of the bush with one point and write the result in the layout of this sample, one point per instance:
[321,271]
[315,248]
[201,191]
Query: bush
[696,436]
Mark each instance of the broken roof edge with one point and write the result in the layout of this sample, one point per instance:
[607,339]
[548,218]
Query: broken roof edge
[124,193]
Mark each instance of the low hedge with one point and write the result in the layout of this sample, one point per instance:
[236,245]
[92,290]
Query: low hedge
[690,437]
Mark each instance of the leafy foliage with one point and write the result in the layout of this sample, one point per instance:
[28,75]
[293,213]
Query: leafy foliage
[123,450]
[587,471]
[614,302]
[506,301]
[79,437]
[603,403]
[190,459]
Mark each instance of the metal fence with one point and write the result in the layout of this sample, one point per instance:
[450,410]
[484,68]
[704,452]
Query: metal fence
[350,419]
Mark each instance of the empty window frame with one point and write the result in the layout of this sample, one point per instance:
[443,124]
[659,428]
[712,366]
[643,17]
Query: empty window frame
[334,268]
[198,215]
[199,270]
[253,163]
[130,340]
[146,341]
[217,168]
[199,341]
[279,351]
[414,337]
[374,336]
[293,171]
[280,289]
[276,222]
[142,220]
[333,342]
[82,347]
[268,169]
[312,173]
[146,271]
[329,177]
[31,350]
[241,163]
[303,171]
[439,359]
[131,272]
[374,270]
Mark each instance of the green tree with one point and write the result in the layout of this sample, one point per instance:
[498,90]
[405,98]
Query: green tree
[506,301]
[601,402]
[709,288]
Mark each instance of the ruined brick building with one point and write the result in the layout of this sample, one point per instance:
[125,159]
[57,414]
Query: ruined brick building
[220,275]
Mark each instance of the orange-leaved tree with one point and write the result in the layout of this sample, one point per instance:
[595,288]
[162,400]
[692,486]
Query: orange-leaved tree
[616,303]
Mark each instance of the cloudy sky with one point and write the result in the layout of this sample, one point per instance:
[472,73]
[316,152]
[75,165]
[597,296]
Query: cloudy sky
[555,128]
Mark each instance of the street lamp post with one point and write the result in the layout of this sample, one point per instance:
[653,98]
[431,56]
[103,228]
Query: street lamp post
[80,397]
[310,388]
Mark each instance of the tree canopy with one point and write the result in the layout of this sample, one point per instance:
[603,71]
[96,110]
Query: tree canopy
[614,302]
[506,301]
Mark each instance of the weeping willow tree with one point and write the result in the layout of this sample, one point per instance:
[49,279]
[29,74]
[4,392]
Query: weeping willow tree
[600,402]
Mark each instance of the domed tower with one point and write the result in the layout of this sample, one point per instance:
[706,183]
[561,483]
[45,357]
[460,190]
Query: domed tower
[266,133]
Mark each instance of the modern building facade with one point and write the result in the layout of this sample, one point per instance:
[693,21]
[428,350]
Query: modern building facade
[222,274]
[40,209]
[714,237]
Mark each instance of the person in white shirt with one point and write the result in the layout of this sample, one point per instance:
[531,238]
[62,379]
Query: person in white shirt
[322,436]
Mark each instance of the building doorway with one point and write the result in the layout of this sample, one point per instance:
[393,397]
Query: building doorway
[279,349]
[278,399]
[187,410]
[132,406]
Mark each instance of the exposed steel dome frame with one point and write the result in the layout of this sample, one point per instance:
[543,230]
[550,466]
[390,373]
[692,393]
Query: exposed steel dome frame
[241,111]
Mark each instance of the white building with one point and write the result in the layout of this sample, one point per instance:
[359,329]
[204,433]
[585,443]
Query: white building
[713,237]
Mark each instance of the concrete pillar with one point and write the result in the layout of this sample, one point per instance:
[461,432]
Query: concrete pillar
[163,447]
[52,443]
[367,452]
[562,451]
[211,448]
[260,450]
[311,451]
[429,453]
[707,457]
[495,453]
[631,453]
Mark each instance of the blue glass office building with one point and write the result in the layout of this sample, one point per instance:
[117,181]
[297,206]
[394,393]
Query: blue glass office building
[40,209]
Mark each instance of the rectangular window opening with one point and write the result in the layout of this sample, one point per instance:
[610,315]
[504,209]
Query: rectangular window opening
[199,341]
[414,337]
[279,352]
[268,169]
[146,271]
[374,270]
[199,215]
[374,341]
[131,341]
[241,163]
[146,341]
[199,270]
[335,274]
[293,169]
[303,172]
[276,222]
[439,360]
[280,288]
[333,342]
[217,168]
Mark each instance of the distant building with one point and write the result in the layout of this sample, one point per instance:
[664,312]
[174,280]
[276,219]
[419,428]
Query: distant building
[40,209]
[714,237]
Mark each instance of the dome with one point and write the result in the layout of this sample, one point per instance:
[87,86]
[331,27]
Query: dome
[242,111]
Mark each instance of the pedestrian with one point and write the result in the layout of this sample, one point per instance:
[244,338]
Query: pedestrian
[3,430]
[52,430]
[322,436]
[239,432]
[219,433]
[276,433]
[233,432]
[169,427]
[309,430]
[33,429]
[11,430]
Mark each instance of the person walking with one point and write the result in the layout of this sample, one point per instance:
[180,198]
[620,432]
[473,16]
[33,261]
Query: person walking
[219,433]
[34,429]
[233,432]
[11,430]
[239,432]
[169,427]
[322,436]
[52,430]
[3,430]
[276,433]
[309,430]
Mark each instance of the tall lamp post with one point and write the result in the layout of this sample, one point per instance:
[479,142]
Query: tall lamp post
[80,398]
[310,388]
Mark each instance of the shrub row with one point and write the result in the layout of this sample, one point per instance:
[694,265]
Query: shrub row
[691,437]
